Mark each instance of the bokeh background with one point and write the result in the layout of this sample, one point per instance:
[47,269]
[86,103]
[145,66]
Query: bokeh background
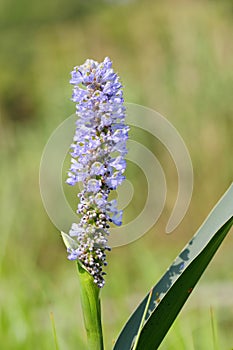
[172,56]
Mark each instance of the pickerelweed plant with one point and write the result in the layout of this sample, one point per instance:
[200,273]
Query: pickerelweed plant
[98,150]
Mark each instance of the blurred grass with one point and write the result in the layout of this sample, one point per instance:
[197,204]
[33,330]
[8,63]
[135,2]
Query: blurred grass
[173,57]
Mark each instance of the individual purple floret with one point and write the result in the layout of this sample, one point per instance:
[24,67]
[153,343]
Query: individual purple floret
[98,150]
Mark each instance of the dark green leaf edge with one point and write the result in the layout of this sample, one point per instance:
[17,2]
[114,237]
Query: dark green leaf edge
[221,213]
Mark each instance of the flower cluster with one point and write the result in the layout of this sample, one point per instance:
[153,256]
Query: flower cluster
[98,150]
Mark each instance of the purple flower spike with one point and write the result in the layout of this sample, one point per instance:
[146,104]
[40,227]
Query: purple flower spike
[100,133]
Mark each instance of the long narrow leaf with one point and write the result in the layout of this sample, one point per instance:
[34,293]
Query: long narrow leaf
[171,292]
[164,314]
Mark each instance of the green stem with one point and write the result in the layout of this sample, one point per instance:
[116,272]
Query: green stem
[91,309]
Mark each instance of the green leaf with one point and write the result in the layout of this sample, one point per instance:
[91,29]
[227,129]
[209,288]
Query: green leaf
[68,241]
[173,289]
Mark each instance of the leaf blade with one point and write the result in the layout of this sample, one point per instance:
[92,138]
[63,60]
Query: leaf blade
[218,217]
[182,287]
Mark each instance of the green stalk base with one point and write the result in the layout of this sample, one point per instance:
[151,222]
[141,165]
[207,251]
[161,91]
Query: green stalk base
[91,309]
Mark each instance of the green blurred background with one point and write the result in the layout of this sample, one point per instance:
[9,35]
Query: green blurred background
[172,56]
